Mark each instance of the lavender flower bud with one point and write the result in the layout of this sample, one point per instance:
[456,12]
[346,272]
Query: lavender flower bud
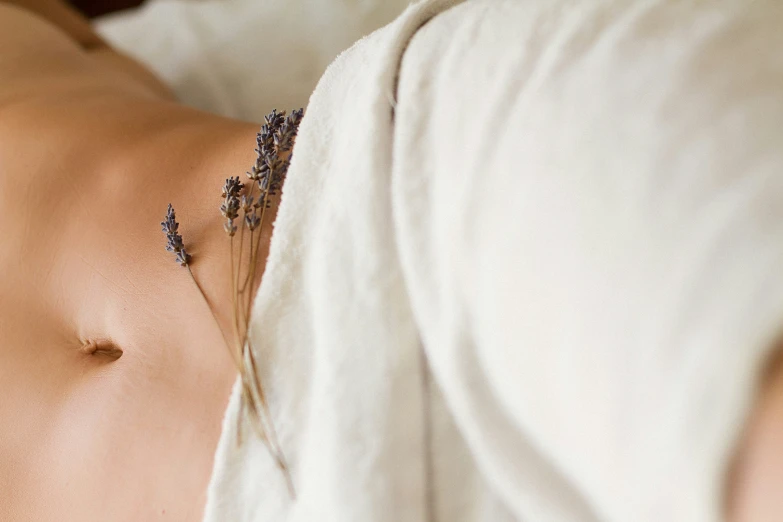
[246,202]
[274,119]
[252,221]
[230,209]
[277,135]
[174,241]
[232,187]
[183,258]
[254,173]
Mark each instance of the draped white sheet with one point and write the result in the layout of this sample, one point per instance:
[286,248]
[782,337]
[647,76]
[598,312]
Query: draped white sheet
[571,213]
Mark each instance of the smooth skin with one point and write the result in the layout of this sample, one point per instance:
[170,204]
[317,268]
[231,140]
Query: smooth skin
[92,150]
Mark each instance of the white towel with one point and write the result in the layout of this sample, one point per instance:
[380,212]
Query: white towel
[571,214]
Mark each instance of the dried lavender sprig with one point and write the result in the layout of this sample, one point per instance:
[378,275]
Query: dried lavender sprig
[174,241]
[231,203]
[276,135]
[268,173]
[284,141]
[261,172]
[175,244]
[284,137]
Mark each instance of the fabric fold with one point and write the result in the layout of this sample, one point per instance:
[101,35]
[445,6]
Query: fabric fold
[571,212]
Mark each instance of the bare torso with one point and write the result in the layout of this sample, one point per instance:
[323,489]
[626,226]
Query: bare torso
[91,153]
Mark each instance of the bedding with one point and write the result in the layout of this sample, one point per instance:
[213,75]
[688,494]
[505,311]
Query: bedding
[243,58]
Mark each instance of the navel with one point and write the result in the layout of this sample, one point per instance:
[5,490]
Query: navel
[102,348]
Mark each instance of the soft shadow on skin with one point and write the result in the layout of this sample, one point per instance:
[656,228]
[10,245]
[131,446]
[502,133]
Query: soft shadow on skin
[751,492]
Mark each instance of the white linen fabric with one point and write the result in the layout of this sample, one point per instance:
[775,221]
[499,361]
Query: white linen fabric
[527,267]
[243,58]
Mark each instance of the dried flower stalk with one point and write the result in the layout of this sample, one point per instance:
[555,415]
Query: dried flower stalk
[244,209]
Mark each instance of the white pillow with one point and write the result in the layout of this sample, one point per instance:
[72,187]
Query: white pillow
[242,58]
